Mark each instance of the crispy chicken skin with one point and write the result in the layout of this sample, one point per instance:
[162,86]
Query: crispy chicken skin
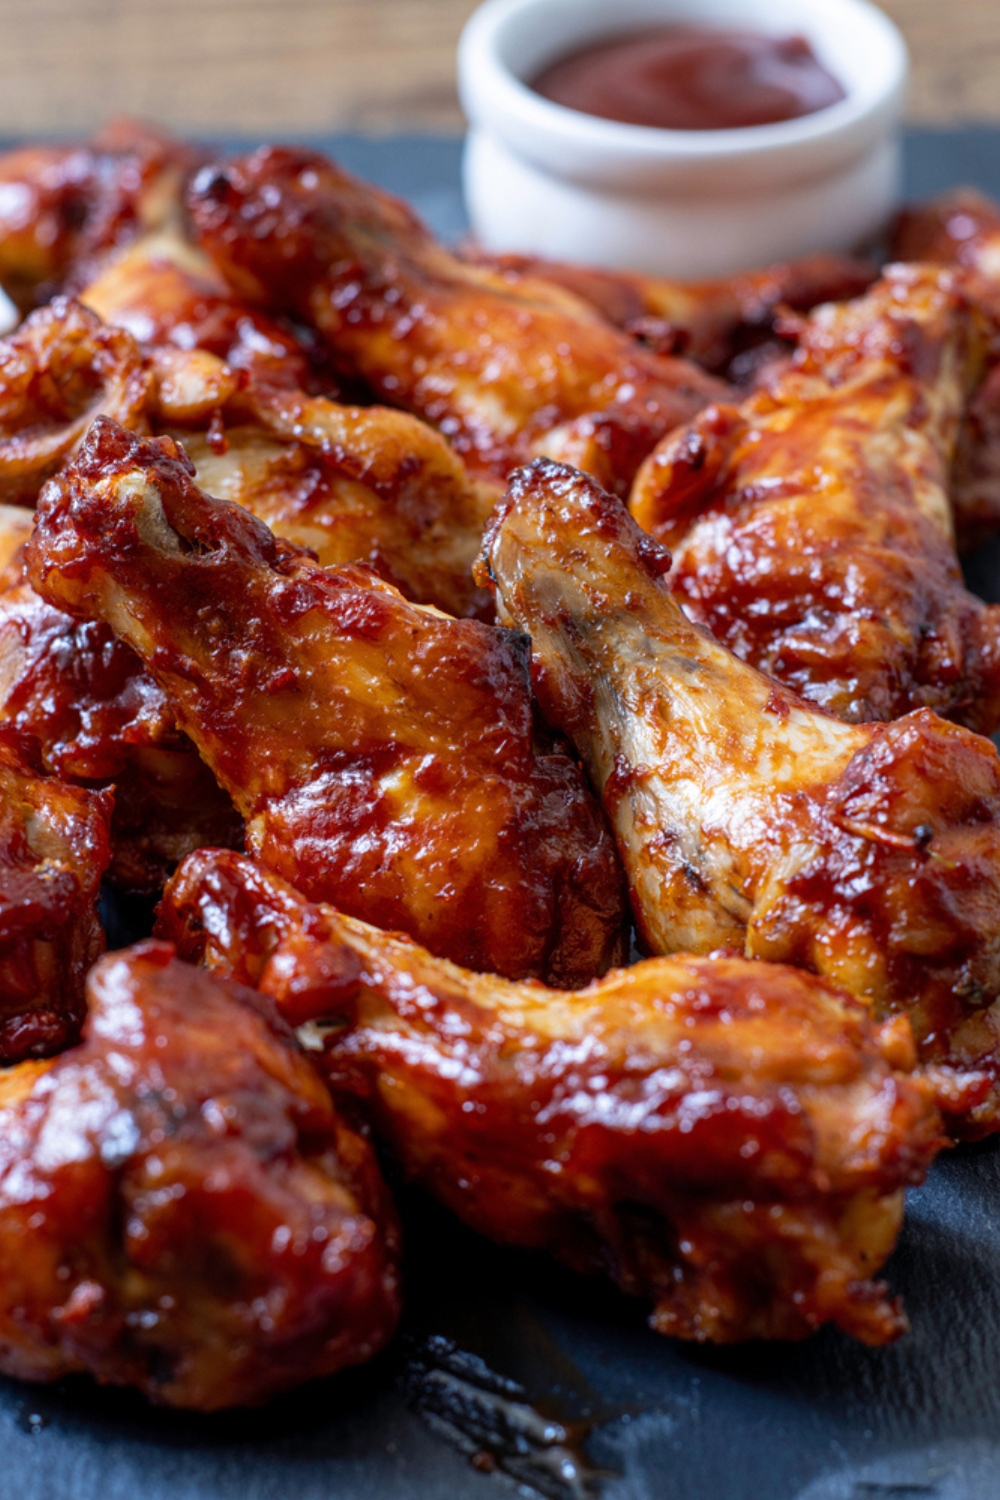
[504,371]
[747,818]
[811,527]
[728,1140]
[383,754]
[65,209]
[54,848]
[181,1208]
[712,322]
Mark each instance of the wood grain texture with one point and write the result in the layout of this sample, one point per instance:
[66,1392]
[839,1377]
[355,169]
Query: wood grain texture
[282,66]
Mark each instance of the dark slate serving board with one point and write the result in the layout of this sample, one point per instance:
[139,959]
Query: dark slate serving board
[512,1376]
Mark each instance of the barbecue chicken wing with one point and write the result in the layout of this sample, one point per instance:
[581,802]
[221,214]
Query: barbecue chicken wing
[504,371]
[355,484]
[16,523]
[168,294]
[60,370]
[65,209]
[181,1208]
[810,526]
[54,847]
[963,228]
[100,719]
[727,1139]
[352,483]
[748,819]
[382,753]
[714,323]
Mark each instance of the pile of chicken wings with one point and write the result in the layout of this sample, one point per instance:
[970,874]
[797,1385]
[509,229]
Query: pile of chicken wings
[546,711]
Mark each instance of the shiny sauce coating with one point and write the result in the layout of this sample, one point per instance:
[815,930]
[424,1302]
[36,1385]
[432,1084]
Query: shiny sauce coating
[692,78]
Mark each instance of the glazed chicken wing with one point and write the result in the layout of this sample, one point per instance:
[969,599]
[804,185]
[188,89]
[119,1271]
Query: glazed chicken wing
[811,527]
[504,371]
[168,294]
[382,753]
[65,209]
[352,483]
[748,819]
[963,228]
[355,484]
[60,370]
[181,1208]
[729,1140]
[714,323]
[54,848]
[100,719]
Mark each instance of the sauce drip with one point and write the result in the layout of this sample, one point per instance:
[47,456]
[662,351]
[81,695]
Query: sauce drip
[692,78]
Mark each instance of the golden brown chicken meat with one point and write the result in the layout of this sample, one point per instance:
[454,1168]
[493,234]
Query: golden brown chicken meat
[181,1208]
[714,323]
[747,818]
[729,1140]
[54,848]
[504,371]
[811,527]
[383,754]
[65,209]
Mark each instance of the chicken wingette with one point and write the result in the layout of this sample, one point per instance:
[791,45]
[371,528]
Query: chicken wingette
[352,483]
[728,1140]
[747,818]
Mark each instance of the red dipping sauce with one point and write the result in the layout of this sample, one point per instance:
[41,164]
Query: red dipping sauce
[692,78]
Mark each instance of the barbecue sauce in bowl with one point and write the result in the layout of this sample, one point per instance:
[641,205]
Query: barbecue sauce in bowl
[692,78]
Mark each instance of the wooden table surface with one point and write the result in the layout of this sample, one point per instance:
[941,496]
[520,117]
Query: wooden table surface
[281,66]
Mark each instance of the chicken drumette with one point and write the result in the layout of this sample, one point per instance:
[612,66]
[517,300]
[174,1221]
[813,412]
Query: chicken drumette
[504,371]
[54,848]
[383,754]
[727,1139]
[747,818]
[181,1208]
[811,526]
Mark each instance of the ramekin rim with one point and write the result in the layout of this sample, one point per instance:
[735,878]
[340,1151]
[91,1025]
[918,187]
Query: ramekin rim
[516,101]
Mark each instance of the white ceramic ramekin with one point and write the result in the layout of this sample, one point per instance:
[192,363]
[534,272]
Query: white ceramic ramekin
[547,180]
